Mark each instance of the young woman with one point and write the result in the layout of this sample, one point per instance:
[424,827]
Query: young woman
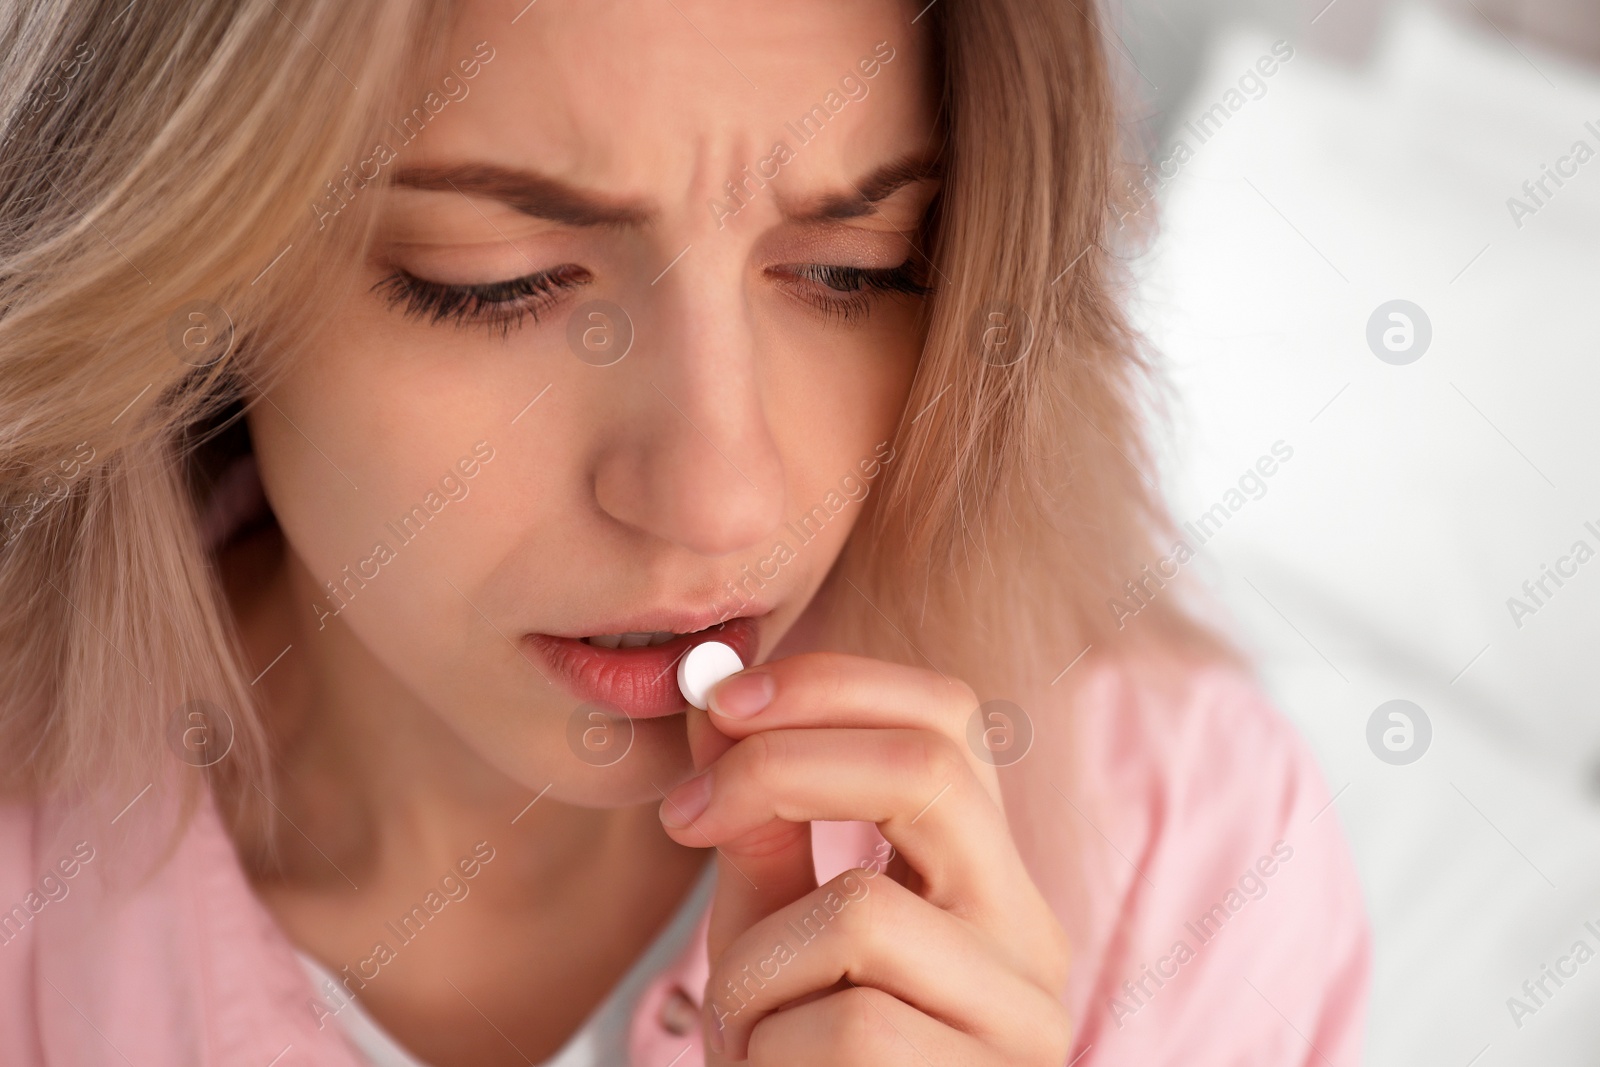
[394,392]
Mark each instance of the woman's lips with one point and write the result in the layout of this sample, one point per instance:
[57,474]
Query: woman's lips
[640,682]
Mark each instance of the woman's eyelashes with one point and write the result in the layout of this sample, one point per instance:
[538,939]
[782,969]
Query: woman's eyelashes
[496,306]
[847,293]
[837,292]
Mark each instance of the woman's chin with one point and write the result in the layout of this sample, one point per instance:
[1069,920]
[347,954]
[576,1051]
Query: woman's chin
[616,763]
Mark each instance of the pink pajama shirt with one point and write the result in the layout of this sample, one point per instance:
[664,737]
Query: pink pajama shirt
[1183,835]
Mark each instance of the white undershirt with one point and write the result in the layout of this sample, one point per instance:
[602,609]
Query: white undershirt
[601,1041]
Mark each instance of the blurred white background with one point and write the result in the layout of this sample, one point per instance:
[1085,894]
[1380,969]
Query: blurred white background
[1426,487]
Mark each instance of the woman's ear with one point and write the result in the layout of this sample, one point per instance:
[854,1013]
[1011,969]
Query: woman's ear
[235,503]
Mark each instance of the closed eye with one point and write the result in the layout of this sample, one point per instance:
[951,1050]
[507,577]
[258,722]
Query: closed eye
[848,292]
[841,292]
[497,306]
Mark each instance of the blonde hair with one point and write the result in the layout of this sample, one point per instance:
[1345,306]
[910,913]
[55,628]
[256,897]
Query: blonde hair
[1021,506]
[176,163]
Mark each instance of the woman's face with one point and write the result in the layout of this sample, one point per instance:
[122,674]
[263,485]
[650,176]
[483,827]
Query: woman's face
[641,316]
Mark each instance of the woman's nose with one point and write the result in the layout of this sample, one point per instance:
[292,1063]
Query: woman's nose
[691,457]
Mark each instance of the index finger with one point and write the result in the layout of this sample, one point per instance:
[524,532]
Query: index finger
[837,690]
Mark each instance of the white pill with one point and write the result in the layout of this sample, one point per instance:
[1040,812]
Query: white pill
[705,666]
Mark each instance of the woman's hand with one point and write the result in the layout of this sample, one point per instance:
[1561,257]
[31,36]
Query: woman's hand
[952,958]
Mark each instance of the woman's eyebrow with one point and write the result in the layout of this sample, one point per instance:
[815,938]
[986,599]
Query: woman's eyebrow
[532,194]
[541,196]
[878,185]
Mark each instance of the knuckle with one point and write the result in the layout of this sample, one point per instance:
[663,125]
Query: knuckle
[1054,1034]
[863,1025]
[1058,957]
[862,911]
[832,669]
[939,762]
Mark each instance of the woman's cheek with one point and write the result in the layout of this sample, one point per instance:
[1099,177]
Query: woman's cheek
[858,399]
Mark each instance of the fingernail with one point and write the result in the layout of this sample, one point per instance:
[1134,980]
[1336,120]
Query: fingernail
[684,804]
[743,695]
